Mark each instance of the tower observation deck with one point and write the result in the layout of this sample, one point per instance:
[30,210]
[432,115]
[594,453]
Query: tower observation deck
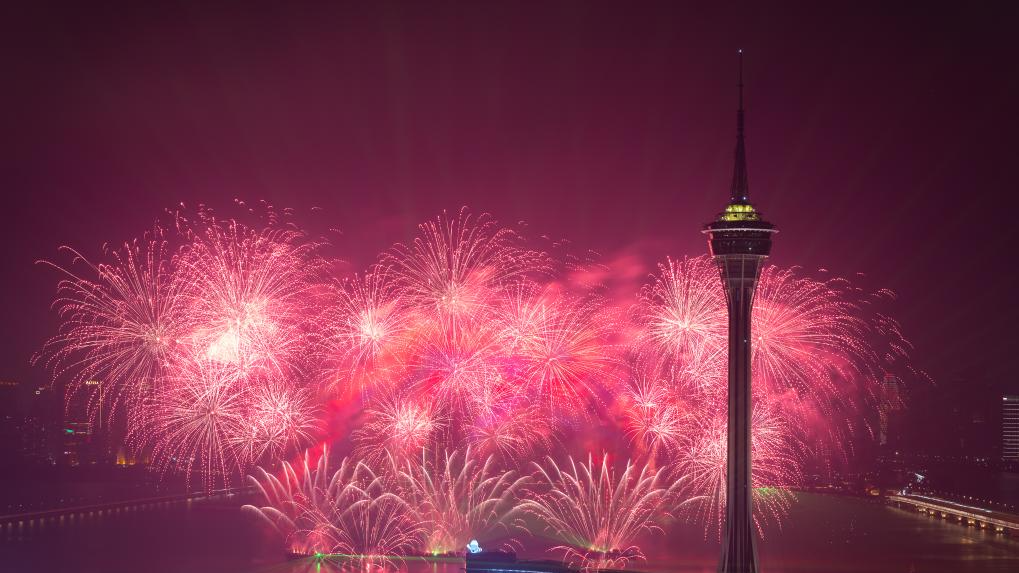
[739,241]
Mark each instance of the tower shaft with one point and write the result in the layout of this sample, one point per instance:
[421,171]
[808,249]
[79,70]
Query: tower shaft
[739,550]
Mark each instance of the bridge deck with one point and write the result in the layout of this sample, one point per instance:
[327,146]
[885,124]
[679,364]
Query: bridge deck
[974,515]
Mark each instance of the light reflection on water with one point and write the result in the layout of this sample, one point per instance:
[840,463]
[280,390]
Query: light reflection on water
[822,533]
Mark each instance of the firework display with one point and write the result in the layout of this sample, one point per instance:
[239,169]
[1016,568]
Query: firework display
[351,510]
[460,359]
[460,497]
[598,514]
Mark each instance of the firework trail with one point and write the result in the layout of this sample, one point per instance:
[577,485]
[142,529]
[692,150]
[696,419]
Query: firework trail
[351,511]
[597,514]
[462,497]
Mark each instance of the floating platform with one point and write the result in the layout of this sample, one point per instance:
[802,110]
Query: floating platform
[507,562]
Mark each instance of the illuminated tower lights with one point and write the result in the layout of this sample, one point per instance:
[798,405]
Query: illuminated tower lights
[740,241]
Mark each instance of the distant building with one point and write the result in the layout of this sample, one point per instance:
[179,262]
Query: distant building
[1010,427]
[10,420]
[81,437]
[890,403]
[41,426]
[77,442]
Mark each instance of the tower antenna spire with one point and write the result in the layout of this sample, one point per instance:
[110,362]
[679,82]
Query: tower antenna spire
[739,191]
[741,82]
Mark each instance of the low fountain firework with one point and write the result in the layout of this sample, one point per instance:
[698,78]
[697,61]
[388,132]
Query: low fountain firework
[352,510]
[461,496]
[598,515]
[221,346]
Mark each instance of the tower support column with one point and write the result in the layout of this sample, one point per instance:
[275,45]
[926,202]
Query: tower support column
[739,547]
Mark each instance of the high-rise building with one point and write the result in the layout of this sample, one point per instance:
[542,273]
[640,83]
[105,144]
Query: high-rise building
[740,241]
[1010,427]
[82,438]
[76,442]
[890,403]
[41,426]
[10,422]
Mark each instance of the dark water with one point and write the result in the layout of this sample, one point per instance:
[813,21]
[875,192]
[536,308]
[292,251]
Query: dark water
[822,533]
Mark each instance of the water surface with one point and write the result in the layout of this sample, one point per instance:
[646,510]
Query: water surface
[822,533]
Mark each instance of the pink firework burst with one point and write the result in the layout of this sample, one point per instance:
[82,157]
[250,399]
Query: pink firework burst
[366,331]
[684,318]
[816,355]
[453,267]
[816,348]
[250,295]
[808,336]
[192,423]
[280,418]
[563,348]
[683,310]
[653,418]
[459,367]
[512,430]
[398,426]
[120,323]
